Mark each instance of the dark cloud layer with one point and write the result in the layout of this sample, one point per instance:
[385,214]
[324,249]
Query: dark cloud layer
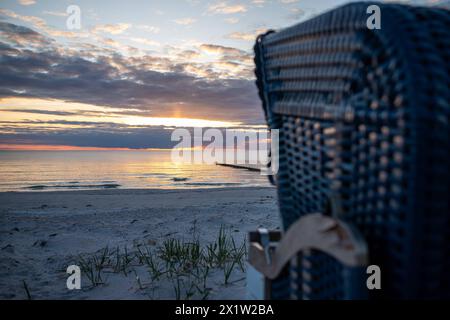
[21,36]
[33,65]
[119,81]
[90,134]
[102,136]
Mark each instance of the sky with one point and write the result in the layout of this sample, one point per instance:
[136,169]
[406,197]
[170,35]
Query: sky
[134,69]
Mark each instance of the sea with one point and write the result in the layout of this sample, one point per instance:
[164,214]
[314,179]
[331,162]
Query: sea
[87,170]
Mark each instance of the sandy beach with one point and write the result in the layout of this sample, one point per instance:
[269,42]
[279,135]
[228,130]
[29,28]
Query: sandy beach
[41,233]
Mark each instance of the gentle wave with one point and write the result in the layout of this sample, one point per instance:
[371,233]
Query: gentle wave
[212,184]
[73,186]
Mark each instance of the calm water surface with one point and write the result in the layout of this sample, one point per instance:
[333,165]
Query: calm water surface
[81,170]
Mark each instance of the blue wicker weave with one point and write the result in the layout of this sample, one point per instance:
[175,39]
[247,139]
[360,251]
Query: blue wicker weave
[364,116]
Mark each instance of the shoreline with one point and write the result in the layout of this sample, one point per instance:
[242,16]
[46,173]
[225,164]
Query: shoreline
[42,231]
[139,190]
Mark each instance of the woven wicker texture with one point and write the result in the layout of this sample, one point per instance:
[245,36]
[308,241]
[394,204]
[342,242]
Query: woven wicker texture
[364,115]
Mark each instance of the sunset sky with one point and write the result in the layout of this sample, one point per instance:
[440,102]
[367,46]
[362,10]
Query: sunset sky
[134,70]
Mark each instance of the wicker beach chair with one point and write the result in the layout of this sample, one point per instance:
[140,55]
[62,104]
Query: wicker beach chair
[363,117]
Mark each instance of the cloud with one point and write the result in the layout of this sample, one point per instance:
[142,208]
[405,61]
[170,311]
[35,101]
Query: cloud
[185,21]
[216,49]
[296,14]
[36,21]
[146,41]
[111,28]
[232,66]
[246,36]
[112,45]
[85,134]
[225,8]
[22,37]
[188,54]
[56,13]
[242,36]
[157,85]
[228,61]
[41,24]
[181,84]
[47,112]
[27,2]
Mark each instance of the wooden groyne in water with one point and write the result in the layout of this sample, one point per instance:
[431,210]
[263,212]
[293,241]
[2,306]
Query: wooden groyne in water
[236,166]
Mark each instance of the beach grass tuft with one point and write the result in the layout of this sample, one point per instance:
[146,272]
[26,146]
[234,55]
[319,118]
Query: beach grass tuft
[27,290]
[187,264]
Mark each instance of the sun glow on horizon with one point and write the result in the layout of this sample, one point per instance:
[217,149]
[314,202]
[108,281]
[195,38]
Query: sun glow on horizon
[179,122]
[43,110]
[53,116]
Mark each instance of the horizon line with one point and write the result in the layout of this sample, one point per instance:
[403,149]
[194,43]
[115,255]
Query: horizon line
[29,147]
